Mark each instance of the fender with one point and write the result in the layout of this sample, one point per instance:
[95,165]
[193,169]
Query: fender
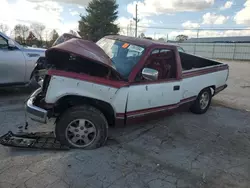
[78,88]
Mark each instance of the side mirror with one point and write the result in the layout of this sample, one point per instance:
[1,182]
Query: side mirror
[150,74]
[11,44]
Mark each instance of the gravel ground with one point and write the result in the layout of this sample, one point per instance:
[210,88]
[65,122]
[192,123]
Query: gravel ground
[237,95]
[180,151]
[183,150]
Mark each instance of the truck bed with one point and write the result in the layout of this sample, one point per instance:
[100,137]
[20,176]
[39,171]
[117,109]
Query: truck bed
[192,62]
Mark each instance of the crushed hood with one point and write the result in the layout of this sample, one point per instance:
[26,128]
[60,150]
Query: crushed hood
[82,48]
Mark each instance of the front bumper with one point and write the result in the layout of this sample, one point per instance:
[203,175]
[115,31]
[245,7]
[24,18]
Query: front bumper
[33,112]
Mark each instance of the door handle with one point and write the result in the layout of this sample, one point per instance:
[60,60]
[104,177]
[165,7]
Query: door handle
[176,88]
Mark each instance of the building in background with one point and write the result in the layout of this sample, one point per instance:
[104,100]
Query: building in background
[240,39]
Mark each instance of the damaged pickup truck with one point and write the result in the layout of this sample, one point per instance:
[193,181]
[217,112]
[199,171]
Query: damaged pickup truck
[118,81]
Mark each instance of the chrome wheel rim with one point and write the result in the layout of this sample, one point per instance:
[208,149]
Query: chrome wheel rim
[204,100]
[81,133]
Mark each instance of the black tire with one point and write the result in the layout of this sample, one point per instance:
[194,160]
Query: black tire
[197,107]
[90,114]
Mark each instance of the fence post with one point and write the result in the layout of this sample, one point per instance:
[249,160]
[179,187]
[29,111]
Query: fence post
[213,50]
[234,50]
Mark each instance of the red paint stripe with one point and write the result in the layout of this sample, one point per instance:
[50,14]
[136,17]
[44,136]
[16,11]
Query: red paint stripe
[120,115]
[102,81]
[152,110]
[183,101]
[155,82]
[204,71]
[156,109]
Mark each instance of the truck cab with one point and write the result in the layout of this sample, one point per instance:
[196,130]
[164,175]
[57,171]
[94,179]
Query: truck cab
[117,81]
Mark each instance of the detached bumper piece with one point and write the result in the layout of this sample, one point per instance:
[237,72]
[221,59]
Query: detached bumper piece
[39,140]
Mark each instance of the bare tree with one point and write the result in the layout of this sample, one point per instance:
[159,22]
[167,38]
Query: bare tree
[21,31]
[142,35]
[3,28]
[181,38]
[31,39]
[53,36]
[38,29]
[161,39]
[46,36]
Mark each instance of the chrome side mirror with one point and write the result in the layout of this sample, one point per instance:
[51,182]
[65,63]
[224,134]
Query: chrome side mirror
[150,74]
[11,43]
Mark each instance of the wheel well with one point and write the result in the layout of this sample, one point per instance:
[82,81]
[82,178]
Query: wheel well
[212,88]
[73,100]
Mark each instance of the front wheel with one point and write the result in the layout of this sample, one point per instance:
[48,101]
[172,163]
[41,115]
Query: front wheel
[82,127]
[202,102]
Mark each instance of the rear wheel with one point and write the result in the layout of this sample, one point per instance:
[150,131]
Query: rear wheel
[202,102]
[82,127]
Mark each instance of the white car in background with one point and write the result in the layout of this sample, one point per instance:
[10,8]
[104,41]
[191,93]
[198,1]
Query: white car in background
[17,63]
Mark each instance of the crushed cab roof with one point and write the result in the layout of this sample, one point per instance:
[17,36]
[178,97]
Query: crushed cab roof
[138,41]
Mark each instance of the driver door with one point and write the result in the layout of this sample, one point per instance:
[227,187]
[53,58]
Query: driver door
[149,99]
[12,64]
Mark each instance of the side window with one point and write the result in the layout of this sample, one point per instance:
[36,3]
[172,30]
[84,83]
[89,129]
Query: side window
[3,43]
[164,51]
[180,49]
[155,52]
[162,60]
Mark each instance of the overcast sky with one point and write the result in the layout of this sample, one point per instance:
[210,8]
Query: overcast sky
[64,15]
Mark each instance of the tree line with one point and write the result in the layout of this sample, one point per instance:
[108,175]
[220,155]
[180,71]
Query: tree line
[99,21]
[32,35]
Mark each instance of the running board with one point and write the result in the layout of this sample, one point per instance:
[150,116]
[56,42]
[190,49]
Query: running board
[38,140]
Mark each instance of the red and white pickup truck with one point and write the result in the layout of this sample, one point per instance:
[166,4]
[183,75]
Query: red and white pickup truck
[118,81]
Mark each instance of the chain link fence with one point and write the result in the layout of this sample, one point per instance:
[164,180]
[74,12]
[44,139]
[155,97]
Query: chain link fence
[231,51]
[214,43]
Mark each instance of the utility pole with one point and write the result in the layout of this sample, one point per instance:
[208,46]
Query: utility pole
[198,33]
[130,28]
[136,19]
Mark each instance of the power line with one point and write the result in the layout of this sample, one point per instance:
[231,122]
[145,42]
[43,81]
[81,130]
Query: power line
[175,28]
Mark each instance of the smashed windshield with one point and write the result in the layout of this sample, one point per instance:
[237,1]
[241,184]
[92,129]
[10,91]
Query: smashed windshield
[123,55]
